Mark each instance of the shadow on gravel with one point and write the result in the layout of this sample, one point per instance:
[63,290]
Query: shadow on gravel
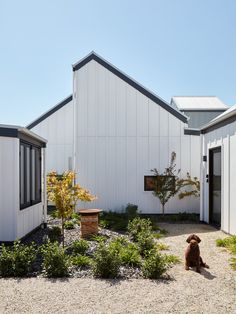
[184,229]
[207,274]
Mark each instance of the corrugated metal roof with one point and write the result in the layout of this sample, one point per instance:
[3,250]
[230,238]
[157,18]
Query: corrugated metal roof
[198,103]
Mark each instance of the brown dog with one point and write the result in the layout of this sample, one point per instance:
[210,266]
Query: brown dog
[192,254]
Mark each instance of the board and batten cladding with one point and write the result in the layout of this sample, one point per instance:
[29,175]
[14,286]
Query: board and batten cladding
[120,135]
[224,137]
[57,128]
[14,223]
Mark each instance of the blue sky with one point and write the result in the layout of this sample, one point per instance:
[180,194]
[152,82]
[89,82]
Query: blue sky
[173,47]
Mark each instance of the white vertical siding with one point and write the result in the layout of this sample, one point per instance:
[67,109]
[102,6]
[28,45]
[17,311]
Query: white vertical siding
[121,135]
[58,130]
[14,223]
[9,187]
[225,138]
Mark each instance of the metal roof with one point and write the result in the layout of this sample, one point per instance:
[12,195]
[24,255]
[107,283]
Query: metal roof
[198,103]
[14,130]
[221,120]
[49,112]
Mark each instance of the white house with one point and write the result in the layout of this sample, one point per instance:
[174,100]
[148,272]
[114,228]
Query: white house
[22,198]
[113,131]
[218,178]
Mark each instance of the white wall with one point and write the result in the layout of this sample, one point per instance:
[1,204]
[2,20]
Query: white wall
[120,135]
[58,130]
[14,223]
[225,137]
[9,187]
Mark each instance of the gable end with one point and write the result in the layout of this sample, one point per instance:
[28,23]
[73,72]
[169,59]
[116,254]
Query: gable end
[131,82]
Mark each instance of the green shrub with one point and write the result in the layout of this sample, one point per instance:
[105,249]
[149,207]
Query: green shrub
[106,262]
[53,213]
[162,246]
[114,221]
[131,210]
[54,233]
[69,224]
[130,256]
[17,261]
[155,265]
[104,224]
[81,261]
[139,225]
[98,238]
[233,262]
[227,242]
[75,216]
[79,247]
[145,242]
[55,261]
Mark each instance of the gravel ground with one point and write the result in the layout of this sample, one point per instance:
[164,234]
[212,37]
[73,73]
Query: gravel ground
[212,291]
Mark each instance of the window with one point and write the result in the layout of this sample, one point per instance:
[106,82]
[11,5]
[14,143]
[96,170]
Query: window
[152,183]
[30,174]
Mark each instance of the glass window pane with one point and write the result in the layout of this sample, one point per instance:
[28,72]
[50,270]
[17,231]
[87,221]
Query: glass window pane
[33,174]
[22,191]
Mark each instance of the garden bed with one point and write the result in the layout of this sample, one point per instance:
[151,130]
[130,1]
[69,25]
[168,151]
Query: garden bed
[134,253]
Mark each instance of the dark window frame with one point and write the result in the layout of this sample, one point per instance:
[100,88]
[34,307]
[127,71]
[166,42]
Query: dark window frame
[148,185]
[36,168]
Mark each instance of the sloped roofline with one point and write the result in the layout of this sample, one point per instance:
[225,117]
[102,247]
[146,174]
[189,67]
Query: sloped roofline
[94,56]
[50,112]
[222,120]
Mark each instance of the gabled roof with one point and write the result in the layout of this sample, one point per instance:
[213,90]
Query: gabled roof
[223,119]
[130,81]
[50,112]
[198,103]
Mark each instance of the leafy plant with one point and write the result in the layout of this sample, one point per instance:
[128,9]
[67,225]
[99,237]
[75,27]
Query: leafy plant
[155,265]
[130,256]
[131,210]
[230,244]
[79,247]
[55,261]
[65,194]
[106,262]
[167,184]
[17,261]
[75,216]
[162,246]
[54,233]
[145,242]
[226,242]
[138,225]
[233,262]
[114,221]
[81,261]
[98,238]
[69,224]
[193,185]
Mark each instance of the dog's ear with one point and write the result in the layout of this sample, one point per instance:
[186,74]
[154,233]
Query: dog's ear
[197,238]
[189,238]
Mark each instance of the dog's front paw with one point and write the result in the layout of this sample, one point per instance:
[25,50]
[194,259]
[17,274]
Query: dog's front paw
[206,266]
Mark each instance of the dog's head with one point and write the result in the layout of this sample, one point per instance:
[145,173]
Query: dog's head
[193,239]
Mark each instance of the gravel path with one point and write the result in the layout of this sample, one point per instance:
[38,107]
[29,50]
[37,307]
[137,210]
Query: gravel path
[212,291]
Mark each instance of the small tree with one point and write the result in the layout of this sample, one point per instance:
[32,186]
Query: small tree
[65,194]
[194,183]
[168,183]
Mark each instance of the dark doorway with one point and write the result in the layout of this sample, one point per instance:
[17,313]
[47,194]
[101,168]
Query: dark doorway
[215,186]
